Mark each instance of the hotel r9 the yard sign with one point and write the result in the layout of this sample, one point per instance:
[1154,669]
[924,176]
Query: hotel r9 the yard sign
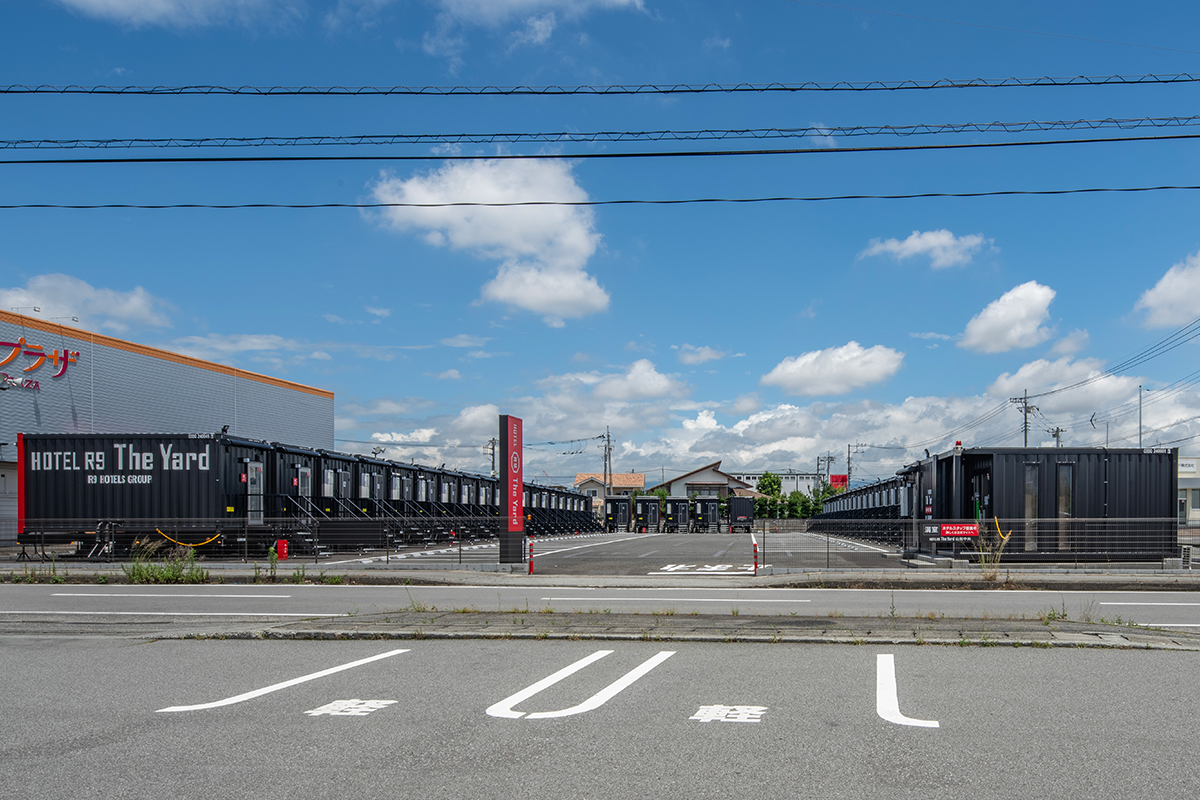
[512,457]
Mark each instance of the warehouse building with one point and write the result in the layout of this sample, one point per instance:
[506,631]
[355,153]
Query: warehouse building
[56,379]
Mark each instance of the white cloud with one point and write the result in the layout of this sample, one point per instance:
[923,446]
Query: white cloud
[189,13]
[418,436]
[449,375]
[640,381]
[537,30]
[227,348]
[716,43]
[482,420]
[1011,322]
[1175,299]
[930,335]
[465,340]
[495,12]
[363,13]
[1072,343]
[382,313]
[835,370]
[542,249]
[943,247]
[690,354]
[60,295]
[1043,375]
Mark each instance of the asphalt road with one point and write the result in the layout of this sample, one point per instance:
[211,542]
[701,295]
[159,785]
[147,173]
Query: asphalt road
[85,718]
[217,604]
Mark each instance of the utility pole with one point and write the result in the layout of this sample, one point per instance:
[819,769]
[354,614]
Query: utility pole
[858,446]
[1057,433]
[492,448]
[1026,410]
[825,461]
[607,462]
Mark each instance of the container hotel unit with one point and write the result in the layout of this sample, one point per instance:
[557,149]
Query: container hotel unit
[61,380]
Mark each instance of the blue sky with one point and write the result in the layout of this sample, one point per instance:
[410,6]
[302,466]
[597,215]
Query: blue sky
[762,334]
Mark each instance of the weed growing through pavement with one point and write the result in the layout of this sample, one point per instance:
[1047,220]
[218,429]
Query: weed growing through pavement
[175,567]
[990,549]
[298,574]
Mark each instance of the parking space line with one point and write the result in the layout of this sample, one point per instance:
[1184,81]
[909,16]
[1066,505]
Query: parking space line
[228,701]
[675,599]
[136,594]
[887,703]
[504,709]
[1150,604]
[170,614]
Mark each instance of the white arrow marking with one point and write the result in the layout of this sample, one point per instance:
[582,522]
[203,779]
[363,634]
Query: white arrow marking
[228,701]
[504,708]
[887,704]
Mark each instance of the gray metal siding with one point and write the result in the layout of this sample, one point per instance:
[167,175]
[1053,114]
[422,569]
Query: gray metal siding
[110,390]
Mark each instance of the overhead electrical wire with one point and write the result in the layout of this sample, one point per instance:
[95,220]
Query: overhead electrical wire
[606,90]
[556,137]
[624,202]
[1176,339]
[894,148]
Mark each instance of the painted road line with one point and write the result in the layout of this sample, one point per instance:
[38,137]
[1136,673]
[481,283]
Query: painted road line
[536,554]
[503,709]
[1150,604]
[887,704]
[674,599]
[170,614]
[134,594]
[609,692]
[228,701]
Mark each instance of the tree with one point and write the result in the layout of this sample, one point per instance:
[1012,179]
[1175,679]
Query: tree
[770,484]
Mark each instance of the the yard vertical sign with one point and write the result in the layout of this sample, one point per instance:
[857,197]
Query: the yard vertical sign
[512,538]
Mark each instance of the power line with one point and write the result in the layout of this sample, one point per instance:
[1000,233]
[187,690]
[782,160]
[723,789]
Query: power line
[605,90]
[596,156]
[623,202]
[557,137]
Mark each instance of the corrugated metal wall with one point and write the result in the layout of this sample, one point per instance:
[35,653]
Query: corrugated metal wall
[113,390]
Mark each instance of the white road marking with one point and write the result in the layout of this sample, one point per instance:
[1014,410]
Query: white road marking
[172,613]
[674,599]
[504,709]
[134,594]
[228,701]
[887,704]
[1150,604]
[536,554]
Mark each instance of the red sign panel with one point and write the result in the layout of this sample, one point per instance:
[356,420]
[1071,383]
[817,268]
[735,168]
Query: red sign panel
[959,529]
[839,481]
[513,471]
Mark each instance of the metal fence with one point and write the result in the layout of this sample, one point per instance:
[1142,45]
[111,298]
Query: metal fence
[864,544]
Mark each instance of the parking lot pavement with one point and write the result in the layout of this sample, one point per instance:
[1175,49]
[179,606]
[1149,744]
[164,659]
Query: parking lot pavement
[435,719]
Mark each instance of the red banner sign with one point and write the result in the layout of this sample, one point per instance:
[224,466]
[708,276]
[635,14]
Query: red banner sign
[513,470]
[959,529]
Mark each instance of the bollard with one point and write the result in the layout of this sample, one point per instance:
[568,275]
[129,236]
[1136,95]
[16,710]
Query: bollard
[530,555]
[756,559]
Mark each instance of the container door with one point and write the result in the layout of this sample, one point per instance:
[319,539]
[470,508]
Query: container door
[254,493]
[344,484]
[304,482]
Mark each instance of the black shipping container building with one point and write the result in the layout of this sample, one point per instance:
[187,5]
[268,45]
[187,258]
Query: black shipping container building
[1054,503]
[707,515]
[675,514]
[741,513]
[616,513]
[645,514]
[237,495]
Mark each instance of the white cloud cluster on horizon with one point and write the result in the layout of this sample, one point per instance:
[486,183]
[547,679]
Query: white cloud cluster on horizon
[691,354]
[59,295]
[190,13]
[1175,299]
[835,370]
[1013,321]
[943,248]
[542,250]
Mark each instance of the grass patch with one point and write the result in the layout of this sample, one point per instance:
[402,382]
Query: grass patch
[172,567]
